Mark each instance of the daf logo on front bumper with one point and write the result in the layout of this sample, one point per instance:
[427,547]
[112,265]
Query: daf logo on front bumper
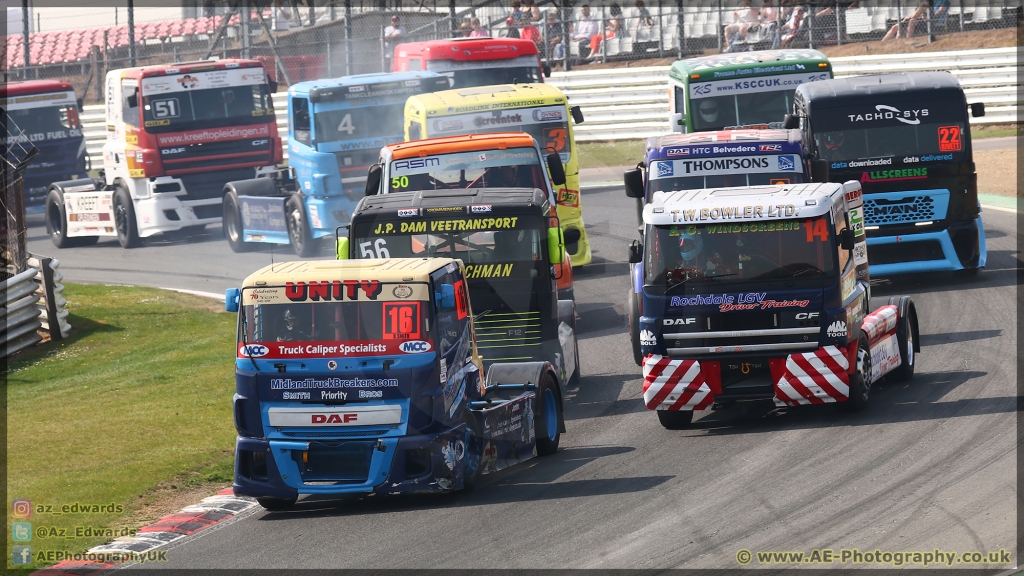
[678,321]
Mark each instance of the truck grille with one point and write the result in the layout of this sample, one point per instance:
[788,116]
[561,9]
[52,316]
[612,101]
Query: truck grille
[905,252]
[509,335]
[207,185]
[880,211]
[346,463]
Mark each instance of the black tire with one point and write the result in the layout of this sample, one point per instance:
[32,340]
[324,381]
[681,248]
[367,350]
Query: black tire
[124,219]
[860,380]
[234,228]
[57,223]
[302,240]
[675,419]
[633,308]
[547,416]
[967,273]
[277,504]
[575,379]
[905,340]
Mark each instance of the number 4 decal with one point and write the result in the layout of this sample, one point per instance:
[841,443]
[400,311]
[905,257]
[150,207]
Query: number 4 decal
[346,125]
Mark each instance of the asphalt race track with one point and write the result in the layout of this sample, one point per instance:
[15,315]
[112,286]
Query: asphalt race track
[930,464]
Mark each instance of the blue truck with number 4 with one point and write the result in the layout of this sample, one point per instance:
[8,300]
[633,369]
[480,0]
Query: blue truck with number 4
[336,128]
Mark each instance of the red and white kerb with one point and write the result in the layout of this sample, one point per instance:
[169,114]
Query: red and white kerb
[814,378]
[674,384]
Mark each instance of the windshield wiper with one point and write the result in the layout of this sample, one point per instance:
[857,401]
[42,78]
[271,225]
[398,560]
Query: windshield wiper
[721,275]
[806,271]
[248,352]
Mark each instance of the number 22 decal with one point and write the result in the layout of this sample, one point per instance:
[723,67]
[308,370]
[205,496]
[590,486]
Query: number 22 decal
[949,139]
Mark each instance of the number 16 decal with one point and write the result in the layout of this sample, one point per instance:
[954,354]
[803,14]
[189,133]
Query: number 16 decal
[401,320]
[949,139]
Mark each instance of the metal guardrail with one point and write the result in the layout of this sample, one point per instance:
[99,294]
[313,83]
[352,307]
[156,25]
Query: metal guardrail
[632,103]
[51,292]
[20,314]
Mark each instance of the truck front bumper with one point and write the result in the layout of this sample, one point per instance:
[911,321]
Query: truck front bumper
[959,246]
[816,377]
[170,211]
[360,466]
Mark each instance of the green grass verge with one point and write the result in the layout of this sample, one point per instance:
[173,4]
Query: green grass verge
[138,397]
[995,132]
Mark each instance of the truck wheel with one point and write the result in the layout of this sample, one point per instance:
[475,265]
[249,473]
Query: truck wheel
[275,504]
[302,240]
[675,419]
[57,223]
[905,340]
[234,228]
[860,380]
[545,421]
[124,219]
[633,308]
[967,273]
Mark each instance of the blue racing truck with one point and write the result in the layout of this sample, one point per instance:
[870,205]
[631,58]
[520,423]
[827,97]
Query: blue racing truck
[362,377]
[761,293]
[44,114]
[707,160]
[907,138]
[336,128]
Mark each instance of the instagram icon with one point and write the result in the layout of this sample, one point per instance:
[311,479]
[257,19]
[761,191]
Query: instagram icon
[21,508]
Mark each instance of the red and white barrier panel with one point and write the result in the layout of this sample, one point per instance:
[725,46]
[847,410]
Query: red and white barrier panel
[880,322]
[814,378]
[674,384]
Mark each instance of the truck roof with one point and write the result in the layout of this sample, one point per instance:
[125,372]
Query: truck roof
[27,87]
[485,97]
[481,202]
[309,86]
[383,270]
[461,143]
[724,137]
[186,67]
[467,49]
[682,69]
[728,205]
[900,85]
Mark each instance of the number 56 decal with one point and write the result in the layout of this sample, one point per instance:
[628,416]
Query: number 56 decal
[380,246]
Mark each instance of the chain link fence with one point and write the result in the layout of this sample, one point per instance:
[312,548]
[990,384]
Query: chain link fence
[329,39]
[17,153]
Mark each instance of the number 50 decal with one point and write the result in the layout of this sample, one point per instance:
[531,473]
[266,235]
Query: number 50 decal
[380,246]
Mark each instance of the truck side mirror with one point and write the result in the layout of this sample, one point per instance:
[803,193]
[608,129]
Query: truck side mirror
[634,181]
[819,170]
[846,239]
[636,253]
[577,114]
[81,104]
[373,180]
[554,167]
[445,299]
[572,237]
[272,86]
[341,250]
[556,246]
[133,100]
[547,70]
[676,120]
[790,121]
[978,109]
[231,299]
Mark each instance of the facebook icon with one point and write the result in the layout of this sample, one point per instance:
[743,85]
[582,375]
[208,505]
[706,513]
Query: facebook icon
[21,555]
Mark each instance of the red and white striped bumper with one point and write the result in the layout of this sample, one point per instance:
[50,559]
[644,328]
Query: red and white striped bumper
[814,378]
[673,384]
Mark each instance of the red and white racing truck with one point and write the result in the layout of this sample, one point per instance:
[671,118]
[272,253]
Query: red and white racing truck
[175,134]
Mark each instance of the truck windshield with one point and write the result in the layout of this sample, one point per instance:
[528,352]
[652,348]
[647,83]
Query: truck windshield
[381,125]
[512,168]
[491,247]
[490,76]
[937,140]
[211,107]
[44,123]
[765,109]
[738,252]
[366,327]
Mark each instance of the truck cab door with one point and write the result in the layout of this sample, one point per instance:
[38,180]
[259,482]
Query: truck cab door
[301,139]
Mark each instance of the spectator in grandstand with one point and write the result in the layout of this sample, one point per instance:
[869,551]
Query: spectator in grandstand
[772,20]
[282,17]
[644,14]
[583,29]
[531,15]
[746,20]
[465,29]
[393,34]
[791,29]
[478,30]
[909,24]
[514,20]
[553,32]
[612,28]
